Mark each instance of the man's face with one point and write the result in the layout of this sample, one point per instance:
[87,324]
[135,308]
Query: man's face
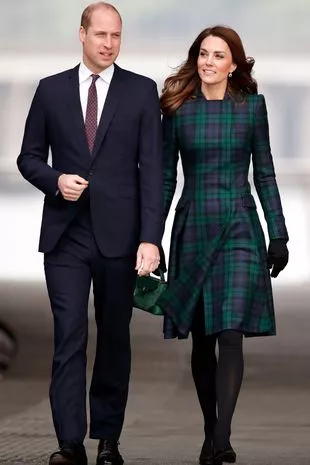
[101,42]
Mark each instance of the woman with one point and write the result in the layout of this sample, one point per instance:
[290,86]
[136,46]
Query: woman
[219,287]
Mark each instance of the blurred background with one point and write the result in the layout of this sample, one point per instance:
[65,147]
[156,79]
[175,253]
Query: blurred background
[41,38]
[38,38]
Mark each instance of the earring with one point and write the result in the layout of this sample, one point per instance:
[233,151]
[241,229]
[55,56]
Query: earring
[230,75]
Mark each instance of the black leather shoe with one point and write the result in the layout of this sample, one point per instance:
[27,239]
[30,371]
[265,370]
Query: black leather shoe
[206,454]
[108,453]
[69,454]
[228,455]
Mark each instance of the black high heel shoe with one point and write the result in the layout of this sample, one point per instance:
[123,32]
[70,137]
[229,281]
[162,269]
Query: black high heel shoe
[206,454]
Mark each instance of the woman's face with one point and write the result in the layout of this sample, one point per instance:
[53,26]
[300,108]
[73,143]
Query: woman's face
[215,61]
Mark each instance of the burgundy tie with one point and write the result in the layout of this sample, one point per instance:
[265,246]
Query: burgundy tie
[91,113]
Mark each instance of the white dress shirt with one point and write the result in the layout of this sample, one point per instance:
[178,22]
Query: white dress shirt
[102,86]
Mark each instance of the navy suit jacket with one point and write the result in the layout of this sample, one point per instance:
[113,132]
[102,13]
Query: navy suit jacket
[124,170]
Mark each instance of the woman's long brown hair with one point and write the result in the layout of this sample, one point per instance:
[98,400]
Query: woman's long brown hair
[183,84]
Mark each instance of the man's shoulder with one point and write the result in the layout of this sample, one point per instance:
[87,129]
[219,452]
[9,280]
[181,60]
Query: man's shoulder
[58,77]
[136,78]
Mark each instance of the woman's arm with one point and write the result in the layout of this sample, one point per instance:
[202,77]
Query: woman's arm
[264,174]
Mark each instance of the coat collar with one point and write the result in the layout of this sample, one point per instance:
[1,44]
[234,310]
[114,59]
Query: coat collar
[85,73]
[238,97]
[75,109]
[113,97]
[116,88]
[198,94]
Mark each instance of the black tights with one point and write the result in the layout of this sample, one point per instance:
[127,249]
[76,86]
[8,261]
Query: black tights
[217,382]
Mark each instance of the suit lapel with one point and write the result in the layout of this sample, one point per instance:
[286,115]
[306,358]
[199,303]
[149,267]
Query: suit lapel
[75,108]
[113,97]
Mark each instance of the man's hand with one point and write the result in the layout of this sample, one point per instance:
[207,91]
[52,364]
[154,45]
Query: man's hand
[71,186]
[147,258]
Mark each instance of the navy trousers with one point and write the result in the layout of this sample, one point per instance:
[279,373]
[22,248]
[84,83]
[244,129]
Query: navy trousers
[70,269]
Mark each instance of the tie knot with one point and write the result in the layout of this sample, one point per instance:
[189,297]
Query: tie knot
[94,78]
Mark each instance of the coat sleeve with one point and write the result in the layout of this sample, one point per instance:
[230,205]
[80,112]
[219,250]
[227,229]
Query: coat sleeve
[264,174]
[151,170]
[171,156]
[32,161]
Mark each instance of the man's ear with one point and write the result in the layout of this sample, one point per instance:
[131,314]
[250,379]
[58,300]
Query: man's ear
[82,34]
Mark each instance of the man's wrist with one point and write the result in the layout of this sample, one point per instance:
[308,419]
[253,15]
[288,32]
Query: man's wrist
[149,243]
[58,180]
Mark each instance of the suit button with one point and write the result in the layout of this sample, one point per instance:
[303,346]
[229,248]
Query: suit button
[90,173]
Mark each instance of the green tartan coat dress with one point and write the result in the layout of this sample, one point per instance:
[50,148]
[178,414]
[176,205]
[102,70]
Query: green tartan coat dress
[217,245]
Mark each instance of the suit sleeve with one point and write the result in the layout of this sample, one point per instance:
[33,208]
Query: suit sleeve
[151,170]
[171,156]
[32,161]
[264,174]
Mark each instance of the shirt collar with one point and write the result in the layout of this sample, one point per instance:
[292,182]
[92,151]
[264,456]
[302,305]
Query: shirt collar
[106,75]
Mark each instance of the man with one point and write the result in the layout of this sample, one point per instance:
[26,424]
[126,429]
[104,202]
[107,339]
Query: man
[102,222]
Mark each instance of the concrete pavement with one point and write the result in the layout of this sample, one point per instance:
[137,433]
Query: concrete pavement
[163,423]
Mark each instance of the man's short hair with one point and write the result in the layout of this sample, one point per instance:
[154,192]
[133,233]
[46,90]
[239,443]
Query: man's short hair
[87,13]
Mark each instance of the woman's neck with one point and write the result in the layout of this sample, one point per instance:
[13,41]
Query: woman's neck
[214,91]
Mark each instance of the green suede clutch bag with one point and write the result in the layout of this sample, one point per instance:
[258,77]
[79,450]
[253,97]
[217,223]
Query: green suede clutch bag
[147,292]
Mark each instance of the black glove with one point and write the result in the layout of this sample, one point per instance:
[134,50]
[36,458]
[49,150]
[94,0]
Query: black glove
[277,256]
[162,265]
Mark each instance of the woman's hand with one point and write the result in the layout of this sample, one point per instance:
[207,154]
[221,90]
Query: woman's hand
[277,256]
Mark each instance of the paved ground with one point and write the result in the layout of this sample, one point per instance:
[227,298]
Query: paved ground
[163,423]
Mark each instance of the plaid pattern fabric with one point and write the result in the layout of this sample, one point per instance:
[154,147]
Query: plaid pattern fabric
[217,245]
